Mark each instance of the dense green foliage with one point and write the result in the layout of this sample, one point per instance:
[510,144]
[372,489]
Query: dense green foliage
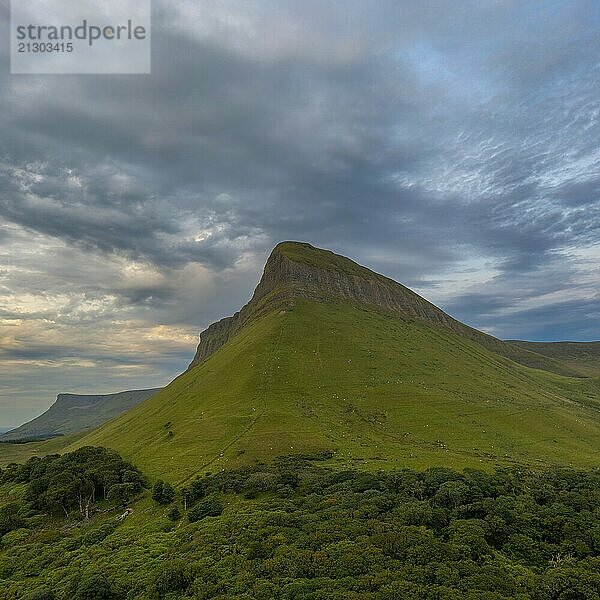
[75,481]
[207,507]
[163,492]
[291,529]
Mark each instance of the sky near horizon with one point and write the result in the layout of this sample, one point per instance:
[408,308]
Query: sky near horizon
[451,146]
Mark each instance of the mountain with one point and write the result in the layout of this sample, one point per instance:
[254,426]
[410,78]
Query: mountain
[331,359]
[298,270]
[76,412]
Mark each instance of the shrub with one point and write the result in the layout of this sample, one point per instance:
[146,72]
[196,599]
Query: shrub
[172,576]
[207,507]
[10,519]
[94,586]
[174,514]
[259,483]
[42,593]
[98,535]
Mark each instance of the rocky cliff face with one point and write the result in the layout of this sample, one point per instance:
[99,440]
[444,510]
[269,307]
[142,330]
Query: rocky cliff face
[298,270]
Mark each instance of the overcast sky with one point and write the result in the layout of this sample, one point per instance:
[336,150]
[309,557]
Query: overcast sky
[453,146]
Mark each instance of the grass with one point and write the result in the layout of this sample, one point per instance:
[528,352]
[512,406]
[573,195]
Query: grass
[350,274]
[580,356]
[318,258]
[18,453]
[377,390]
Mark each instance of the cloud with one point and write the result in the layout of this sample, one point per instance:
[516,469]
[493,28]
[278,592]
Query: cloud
[451,147]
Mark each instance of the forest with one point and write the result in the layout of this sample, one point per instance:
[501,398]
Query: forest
[89,525]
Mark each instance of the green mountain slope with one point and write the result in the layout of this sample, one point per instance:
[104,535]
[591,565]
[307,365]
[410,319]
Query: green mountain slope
[331,357]
[580,356]
[76,412]
[298,270]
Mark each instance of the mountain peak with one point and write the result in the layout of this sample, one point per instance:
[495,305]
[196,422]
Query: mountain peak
[299,271]
[303,252]
[314,258]
[293,270]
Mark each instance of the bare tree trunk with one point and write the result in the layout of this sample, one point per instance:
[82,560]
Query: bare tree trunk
[87,508]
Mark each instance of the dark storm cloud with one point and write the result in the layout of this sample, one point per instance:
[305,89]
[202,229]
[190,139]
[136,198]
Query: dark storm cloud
[212,120]
[451,146]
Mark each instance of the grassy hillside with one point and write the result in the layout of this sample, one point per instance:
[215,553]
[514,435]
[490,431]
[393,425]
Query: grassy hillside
[76,412]
[330,358]
[377,390]
[11,452]
[580,356]
[299,270]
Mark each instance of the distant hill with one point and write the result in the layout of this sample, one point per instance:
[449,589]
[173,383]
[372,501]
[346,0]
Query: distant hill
[330,359]
[583,357]
[76,412]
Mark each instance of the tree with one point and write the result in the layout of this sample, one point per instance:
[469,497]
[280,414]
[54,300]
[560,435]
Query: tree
[451,494]
[61,484]
[469,535]
[121,493]
[163,492]
[207,507]
[86,494]
[157,489]
[186,496]
[168,494]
